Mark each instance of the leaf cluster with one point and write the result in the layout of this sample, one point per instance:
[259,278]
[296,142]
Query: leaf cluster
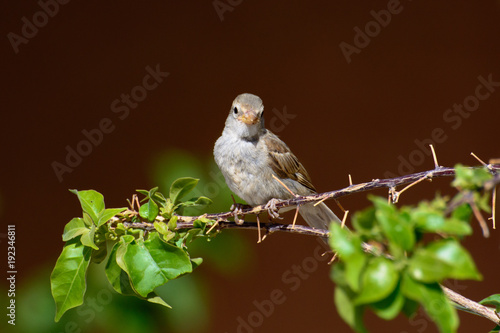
[394,259]
[139,261]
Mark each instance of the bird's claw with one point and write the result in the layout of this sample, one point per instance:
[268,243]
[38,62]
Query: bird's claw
[237,209]
[272,210]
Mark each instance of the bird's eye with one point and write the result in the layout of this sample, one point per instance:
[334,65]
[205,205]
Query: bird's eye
[235,110]
[262,114]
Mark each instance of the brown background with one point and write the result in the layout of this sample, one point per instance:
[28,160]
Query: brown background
[352,118]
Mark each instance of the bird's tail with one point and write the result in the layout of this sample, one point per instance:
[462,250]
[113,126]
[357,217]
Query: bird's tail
[319,216]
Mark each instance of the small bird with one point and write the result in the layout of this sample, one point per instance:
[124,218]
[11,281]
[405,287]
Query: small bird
[249,155]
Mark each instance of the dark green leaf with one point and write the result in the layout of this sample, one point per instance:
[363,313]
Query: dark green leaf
[181,187]
[391,306]
[74,228]
[378,281]
[149,211]
[117,277]
[67,280]
[106,214]
[92,203]
[434,301]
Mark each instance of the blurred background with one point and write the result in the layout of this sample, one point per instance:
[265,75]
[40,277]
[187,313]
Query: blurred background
[353,87]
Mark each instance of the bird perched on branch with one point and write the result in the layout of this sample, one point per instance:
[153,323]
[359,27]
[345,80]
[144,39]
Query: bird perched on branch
[252,158]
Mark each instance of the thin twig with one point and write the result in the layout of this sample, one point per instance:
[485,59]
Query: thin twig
[436,164]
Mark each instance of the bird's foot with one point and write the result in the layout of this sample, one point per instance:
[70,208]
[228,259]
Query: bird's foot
[272,210]
[237,209]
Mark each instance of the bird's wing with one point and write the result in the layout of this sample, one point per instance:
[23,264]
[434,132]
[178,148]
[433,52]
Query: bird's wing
[284,163]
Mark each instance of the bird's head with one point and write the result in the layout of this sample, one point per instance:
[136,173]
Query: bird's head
[246,116]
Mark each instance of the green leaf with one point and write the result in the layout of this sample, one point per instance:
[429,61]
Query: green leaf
[378,281]
[397,227]
[117,277]
[161,227]
[87,238]
[462,212]
[92,203]
[348,311]
[172,223]
[106,214]
[364,221]
[492,300]
[426,267]
[470,178]
[452,253]
[350,251]
[149,211]
[434,301]
[448,259]
[120,281]
[67,280]
[74,228]
[200,201]
[496,329]
[391,306]
[181,187]
[152,263]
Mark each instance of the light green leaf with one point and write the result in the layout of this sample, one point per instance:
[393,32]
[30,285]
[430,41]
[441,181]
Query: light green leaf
[426,267]
[92,203]
[149,211]
[106,214]
[455,255]
[181,187]
[74,228]
[67,280]
[434,301]
[378,281]
[397,227]
[87,238]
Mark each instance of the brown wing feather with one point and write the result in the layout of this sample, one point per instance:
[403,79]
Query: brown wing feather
[284,162]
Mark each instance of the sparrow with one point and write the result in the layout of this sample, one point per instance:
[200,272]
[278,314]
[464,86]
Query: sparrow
[249,155]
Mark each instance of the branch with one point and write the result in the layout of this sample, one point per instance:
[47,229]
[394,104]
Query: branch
[390,183]
[467,305]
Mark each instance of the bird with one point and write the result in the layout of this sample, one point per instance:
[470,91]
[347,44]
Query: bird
[252,159]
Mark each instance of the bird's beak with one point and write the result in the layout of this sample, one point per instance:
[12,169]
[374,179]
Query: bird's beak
[249,117]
